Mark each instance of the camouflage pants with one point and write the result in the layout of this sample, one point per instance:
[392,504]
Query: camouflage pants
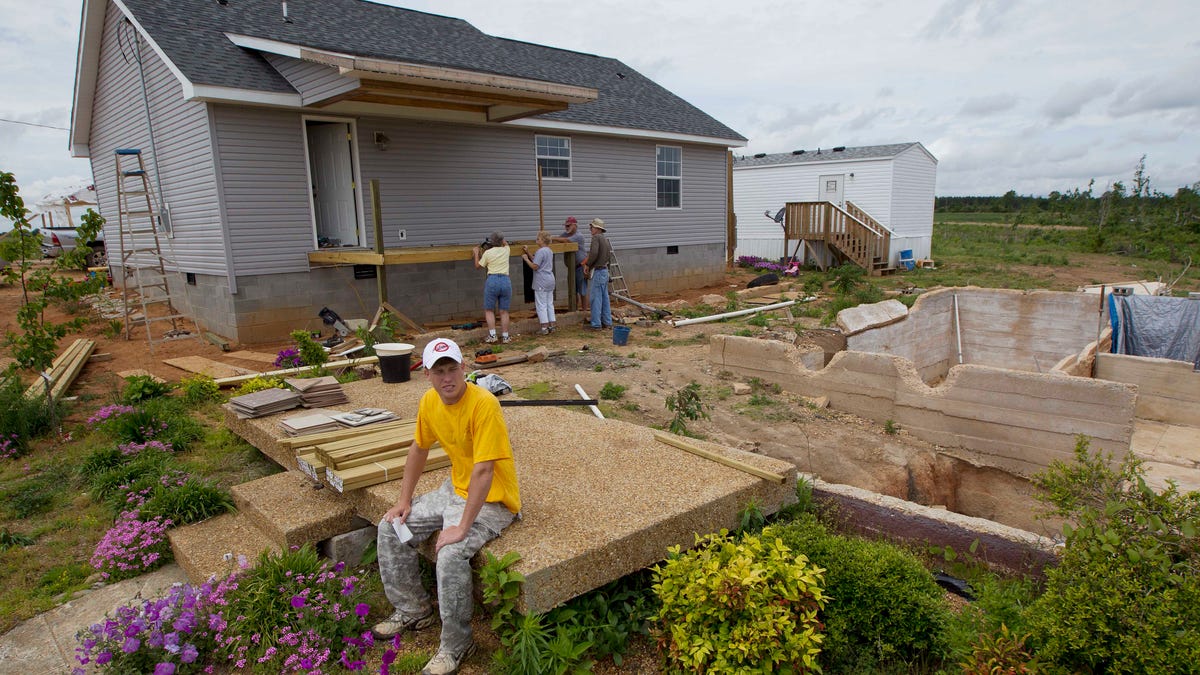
[398,562]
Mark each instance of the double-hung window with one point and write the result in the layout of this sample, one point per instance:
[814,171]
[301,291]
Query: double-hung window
[670,176]
[554,156]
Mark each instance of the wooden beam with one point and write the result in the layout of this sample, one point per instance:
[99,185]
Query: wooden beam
[529,112]
[386,99]
[417,254]
[458,95]
[348,363]
[675,441]
[400,315]
[336,257]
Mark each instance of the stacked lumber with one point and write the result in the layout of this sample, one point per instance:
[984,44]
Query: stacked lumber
[64,369]
[357,458]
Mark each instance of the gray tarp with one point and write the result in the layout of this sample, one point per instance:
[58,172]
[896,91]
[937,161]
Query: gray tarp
[1158,326]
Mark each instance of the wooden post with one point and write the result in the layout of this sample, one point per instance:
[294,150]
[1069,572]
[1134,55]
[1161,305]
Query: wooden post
[377,221]
[541,214]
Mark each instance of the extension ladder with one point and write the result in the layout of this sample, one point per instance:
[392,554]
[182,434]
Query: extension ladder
[144,265]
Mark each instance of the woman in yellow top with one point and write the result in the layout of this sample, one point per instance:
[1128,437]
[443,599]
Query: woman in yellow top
[497,290]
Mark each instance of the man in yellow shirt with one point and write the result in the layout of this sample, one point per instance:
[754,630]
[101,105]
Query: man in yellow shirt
[472,507]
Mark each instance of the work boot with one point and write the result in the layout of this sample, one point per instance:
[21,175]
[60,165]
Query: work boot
[399,622]
[445,663]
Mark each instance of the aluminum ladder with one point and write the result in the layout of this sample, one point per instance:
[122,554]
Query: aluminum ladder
[144,265]
[616,280]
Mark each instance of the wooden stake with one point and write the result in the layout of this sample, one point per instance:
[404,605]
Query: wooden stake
[720,459]
[541,214]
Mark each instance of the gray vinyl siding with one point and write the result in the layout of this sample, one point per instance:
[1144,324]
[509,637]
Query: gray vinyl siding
[314,81]
[265,185]
[454,184]
[912,199]
[182,140]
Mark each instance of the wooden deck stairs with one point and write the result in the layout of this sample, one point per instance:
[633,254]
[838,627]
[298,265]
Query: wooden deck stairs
[850,234]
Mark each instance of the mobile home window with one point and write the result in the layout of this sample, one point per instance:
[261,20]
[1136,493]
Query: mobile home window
[554,156]
[670,176]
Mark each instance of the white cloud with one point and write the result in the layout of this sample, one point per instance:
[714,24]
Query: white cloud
[983,106]
[1070,98]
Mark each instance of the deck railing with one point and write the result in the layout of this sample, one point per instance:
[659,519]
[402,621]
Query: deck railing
[851,231]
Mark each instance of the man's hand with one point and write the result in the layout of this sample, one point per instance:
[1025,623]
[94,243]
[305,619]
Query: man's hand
[401,511]
[450,535]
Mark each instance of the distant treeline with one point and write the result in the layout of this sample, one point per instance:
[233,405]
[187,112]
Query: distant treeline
[1124,219]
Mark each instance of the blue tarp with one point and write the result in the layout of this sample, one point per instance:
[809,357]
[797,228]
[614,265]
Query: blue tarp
[1157,326]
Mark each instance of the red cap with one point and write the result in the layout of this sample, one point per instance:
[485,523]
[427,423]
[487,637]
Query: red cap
[571,219]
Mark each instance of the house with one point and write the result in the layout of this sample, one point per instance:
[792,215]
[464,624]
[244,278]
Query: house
[892,184]
[263,125]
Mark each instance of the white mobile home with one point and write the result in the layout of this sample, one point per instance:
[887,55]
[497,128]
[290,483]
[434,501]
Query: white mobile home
[893,184]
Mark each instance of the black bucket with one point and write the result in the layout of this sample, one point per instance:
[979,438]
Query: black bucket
[395,361]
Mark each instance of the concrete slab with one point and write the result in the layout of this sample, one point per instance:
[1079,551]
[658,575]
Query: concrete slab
[1171,453]
[863,317]
[287,508]
[45,644]
[601,498]
[213,546]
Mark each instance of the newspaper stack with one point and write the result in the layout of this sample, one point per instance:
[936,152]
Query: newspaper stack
[318,392]
[308,423]
[364,416]
[265,402]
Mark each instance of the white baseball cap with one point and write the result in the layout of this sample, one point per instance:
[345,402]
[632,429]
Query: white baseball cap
[439,349]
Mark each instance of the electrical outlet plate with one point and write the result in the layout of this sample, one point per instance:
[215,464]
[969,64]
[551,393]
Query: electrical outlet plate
[403,234]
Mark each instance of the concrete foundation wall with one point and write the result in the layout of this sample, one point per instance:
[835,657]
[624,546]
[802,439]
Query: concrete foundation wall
[267,307]
[1016,421]
[1015,330]
[1168,391]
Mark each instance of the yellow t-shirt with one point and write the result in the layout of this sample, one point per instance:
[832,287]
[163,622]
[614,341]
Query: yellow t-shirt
[495,260]
[472,430]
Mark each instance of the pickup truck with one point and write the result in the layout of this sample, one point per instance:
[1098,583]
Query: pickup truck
[56,240]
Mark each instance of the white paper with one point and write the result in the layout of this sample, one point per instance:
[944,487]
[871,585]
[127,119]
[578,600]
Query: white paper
[402,531]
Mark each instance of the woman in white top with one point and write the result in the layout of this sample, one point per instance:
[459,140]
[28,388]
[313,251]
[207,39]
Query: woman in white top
[497,290]
[542,264]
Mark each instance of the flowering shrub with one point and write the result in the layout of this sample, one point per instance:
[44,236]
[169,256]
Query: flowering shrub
[135,448]
[268,619]
[132,546]
[289,357]
[101,417]
[10,447]
[756,263]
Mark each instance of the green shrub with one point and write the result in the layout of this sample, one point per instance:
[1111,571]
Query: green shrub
[13,540]
[23,419]
[106,486]
[884,605]
[101,460]
[259,383]
[1001,653]
[311,353]
[31,496]
[687,405]
[1125,596]
[612,391]
[813,285]
[191,502]
[139,388]
[739,606]
[199,388]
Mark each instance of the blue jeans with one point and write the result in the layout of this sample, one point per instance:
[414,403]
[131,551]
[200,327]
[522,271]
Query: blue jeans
[497,292]
[598,299]
[581,282]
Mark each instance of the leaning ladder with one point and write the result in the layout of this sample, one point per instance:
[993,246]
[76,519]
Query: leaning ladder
[616,280]
[142,258]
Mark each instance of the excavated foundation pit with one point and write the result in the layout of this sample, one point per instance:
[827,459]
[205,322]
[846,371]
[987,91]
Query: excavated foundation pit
[999,382]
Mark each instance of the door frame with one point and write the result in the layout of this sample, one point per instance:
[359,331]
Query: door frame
[355,171]
[841,187]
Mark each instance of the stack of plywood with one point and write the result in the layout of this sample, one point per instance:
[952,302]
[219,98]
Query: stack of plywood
[356,458]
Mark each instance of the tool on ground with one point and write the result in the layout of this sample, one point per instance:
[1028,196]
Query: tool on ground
[331,318]
[510,403]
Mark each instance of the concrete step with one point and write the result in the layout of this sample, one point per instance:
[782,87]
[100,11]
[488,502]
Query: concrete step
[287,508]
[212,547]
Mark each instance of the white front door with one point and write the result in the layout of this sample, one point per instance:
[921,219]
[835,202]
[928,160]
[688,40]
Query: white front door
[333,187]
[830,189]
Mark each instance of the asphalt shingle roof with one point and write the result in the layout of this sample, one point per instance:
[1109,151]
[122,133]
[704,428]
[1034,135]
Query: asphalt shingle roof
[826,155]
[191,33]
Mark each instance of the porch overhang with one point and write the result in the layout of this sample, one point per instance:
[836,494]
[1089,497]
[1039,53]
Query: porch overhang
[498,98]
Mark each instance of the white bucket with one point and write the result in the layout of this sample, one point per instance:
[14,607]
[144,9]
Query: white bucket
[393,349]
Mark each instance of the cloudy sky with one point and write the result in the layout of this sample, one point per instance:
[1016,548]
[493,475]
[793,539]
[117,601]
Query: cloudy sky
[1008,94]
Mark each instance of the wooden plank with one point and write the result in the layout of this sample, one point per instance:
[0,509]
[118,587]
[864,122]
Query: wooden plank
[380,472]
[720,459]
[324,436]
[217,340]
[60,366]
[73,368]
[100,358]
[415,255]
[349,363]
[206,366]
[258,357]
[403,317]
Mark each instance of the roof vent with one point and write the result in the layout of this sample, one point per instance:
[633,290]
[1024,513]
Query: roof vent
[621,76]
[286,18]
[839,148]
[798,152]
[222,2]
[760,155]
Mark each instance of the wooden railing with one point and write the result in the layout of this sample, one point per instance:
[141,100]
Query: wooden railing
[850,231]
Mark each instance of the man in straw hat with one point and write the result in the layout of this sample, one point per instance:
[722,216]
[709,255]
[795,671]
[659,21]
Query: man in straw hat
[596,265]
[470,508]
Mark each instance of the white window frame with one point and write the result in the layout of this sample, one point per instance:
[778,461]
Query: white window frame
[658,177]
[538,157]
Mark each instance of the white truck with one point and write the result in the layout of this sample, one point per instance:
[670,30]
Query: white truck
[56,240]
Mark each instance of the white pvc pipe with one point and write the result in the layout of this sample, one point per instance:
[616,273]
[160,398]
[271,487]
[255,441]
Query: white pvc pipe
[583,394]
[957,328]
[740,312]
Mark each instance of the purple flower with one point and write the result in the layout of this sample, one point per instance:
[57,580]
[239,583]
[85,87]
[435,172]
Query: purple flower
[164,669]
[103,658]
[297,601]
[189,653]
[362,609]
[131,645]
